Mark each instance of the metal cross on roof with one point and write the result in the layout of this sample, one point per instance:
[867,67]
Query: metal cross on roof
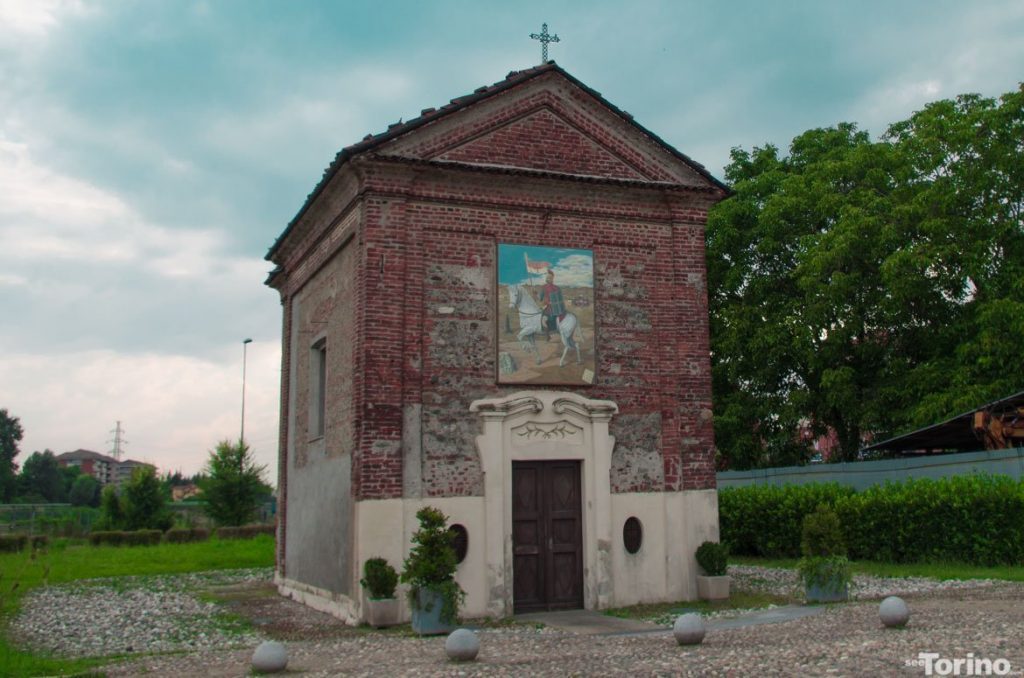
[544,40]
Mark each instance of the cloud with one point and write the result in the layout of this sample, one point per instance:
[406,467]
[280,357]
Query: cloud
[34,19]
[47,216]
[174,407]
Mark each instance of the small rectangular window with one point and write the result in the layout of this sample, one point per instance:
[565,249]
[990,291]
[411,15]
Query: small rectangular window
[318,389]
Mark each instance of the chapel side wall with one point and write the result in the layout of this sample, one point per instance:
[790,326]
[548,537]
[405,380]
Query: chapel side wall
[319,531]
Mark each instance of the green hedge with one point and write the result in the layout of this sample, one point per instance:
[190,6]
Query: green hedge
[125,538]
[182,535]
[245,531]
[973,519]
[766,520]
[10,543]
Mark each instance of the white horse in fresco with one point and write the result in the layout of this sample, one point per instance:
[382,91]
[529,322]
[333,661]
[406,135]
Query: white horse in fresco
[531,323]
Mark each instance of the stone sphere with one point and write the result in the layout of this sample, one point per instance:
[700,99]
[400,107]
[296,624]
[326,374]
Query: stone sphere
[689,629]
[270,657]
[894,612]
[462,645]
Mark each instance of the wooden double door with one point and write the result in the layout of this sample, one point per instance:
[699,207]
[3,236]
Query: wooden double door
[547,536]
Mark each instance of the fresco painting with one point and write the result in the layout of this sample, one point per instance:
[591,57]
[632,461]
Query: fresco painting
[545,315]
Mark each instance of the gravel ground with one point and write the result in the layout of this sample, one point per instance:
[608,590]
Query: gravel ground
[99,617]
[951,619]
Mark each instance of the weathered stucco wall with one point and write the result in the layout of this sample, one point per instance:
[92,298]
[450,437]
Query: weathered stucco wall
[319,529]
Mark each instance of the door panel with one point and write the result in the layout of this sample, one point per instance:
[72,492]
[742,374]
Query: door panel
[547,536]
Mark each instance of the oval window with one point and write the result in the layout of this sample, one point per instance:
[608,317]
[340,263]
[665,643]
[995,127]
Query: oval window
[632,535]
[460,541]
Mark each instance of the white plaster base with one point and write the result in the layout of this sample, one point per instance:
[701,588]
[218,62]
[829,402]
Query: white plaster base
[674,525]
[322,600]
[540,426]
[663,570]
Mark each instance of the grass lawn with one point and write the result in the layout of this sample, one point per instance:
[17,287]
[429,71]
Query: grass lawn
[933,570]
[64,562]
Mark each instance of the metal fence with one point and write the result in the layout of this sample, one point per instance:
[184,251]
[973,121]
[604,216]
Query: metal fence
[863,474]
[51,519]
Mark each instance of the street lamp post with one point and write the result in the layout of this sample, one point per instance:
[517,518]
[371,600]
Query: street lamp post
[245,346]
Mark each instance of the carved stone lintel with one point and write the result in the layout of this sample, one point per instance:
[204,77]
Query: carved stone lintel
[503,407]
[591,409]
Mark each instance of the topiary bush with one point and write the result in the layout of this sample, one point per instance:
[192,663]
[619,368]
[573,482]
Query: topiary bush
[379,579]
[713,558]
[431,563]
[822,534]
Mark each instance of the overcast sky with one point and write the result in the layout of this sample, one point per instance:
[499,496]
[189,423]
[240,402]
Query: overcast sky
[151,152]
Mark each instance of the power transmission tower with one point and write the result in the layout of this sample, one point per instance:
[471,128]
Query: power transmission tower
[118,441]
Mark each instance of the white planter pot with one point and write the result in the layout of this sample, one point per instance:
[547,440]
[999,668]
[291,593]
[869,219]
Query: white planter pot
[381,613]
[713,588]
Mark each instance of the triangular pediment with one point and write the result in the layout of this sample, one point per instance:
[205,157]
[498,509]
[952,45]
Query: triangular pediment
[542,140]
[545,122]
[541,119]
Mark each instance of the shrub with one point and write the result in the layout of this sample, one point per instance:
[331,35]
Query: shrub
[39,542]
[431,563]
[106,538]
[10,543]
[379,578]
[824,563]
[822,535]
[183,535]
[143,537]
[125,538]
[713,558]
[245,531]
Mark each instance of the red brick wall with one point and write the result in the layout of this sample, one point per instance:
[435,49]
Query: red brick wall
[430,243]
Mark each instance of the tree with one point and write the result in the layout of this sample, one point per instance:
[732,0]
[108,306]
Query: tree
[867,287]
[111,515]
[85,491]
[143,506]
[233,485]
[41,476]
[10,435]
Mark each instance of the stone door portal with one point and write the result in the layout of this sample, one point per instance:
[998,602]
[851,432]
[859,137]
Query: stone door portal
[547,536]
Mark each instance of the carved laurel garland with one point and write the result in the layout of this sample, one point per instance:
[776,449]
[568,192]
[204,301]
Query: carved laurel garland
[557,431]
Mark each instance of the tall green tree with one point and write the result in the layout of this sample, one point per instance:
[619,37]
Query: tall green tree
[10,435]
[111,514]
[143,506]
[85,491]
[41,478]
[233,486]
[867,286]
[966,164]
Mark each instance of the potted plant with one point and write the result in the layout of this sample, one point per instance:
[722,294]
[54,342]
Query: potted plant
[379,581]
[824,567]
[713,559]
[434,595]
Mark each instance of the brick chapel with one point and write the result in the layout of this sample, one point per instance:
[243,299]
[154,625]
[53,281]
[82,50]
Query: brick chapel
[499,308]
